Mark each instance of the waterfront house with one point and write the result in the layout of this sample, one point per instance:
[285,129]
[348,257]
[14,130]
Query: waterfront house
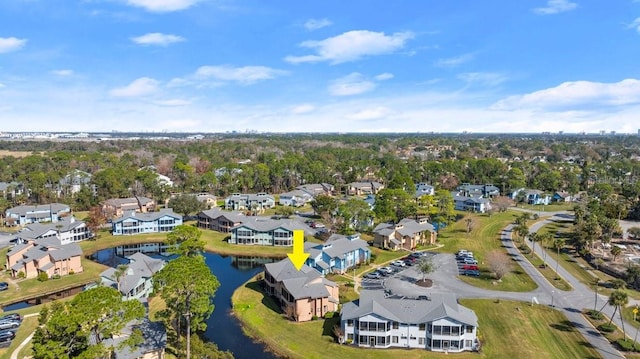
[136,280]
[67,230]
[470,203]
[135,223]
[265,231]
[46,255]
[219,220]
[116,207]
[435,322]
[251,201]
[22,215]
[406,234]
[302,294]
[337,254]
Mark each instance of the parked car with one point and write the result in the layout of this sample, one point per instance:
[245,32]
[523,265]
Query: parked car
[475,273]
[7,335]
[398,263]
[13,316]
[373,275]
[409,262]
[9,324]
[4,286]
[470,267]
[409,258]
[388,270]
[470,261]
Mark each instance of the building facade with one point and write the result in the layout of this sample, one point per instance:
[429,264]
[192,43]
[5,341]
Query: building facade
[156,222]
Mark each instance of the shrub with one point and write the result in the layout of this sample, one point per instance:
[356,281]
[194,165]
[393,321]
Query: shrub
[595,315]
[329,315]
[42,276]
[627,345]
[21,275]
[71,272]
[315,317]
[606,328]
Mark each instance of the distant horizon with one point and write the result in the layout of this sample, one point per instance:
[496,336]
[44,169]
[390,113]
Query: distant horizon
[367,66]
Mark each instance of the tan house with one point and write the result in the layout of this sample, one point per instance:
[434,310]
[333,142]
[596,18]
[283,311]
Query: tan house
[407,234]
[116,207]
[363,188]
[45,255]
[302,294]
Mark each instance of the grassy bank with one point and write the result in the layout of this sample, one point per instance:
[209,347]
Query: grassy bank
[508,330]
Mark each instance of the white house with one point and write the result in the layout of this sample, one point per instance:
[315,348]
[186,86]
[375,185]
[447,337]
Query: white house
[435,322]
[260,201]
[295,198]
[136,281]
[471,203]
[337,254]
[134,223]
[67,230]
[22,215]
[424,189]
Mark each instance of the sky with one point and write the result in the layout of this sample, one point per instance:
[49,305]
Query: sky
[320,65]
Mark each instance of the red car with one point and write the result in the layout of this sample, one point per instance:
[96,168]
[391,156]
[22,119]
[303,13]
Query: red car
[470,267]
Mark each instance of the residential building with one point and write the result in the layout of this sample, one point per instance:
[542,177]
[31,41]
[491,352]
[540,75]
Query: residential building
[153,345]
[11,189]
[337,254]
[264,231]
[136,280]
[471,203]
[22,215]
[423,189]
[116,207]
[406,234]
[563,196]
[295,198]
[219,220]
[435,322]
[537,197]
[74,181]
[67,230]
[474,190]
[134,223]
[363,188]
[302,294]
[47,255]
[208,200]
[316,189]
[250,201]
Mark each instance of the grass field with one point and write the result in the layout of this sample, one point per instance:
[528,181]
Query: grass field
[484,238]
[508,330]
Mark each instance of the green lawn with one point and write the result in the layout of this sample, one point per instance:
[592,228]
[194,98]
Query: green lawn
[484,238]
[506,332]
[616,335]
[553,207]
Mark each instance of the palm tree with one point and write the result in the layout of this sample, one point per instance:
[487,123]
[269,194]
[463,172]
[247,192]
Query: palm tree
[558,244]
[533,237]
[615,252]
[544,239]
[618,299]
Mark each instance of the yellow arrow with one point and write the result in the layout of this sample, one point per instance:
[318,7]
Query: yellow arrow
[298,257]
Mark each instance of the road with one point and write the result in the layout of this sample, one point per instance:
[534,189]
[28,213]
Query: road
[571,302]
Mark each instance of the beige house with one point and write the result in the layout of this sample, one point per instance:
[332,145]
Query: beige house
[364,188]
[407,234]
[302,294]
[116,207]
[45,255]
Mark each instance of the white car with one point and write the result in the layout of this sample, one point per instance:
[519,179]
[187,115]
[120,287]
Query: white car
[398,263]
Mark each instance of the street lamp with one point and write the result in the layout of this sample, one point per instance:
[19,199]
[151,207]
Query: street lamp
[552,292]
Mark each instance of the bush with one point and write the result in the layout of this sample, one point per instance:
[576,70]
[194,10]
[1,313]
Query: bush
[21,275]
[42,276]
[595,315]
[329,315]
[606,328]
[627,345]
[315,317]
[71,272]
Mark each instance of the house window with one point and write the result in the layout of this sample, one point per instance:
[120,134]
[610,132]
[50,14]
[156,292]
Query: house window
[350,323]
[421,340]
[395,325]
[350,336]
[381,341]
[362,339]
[446,330]
[394,339]
[381,327]
[422,327]
[469,329]
[437,329]
[468,343]
[455,330]
[437,344]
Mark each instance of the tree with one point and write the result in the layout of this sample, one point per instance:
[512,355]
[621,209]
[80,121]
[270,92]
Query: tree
[558,244]
[499,263]
[187,285]
[186,240]
[355,215]
[77,329]
[468,221]
[634,232]
[502,203]
[394,205]
[185,204]
[618,299]
[615,252]
[544,239]
[324,204]
[119,273]
[425,266]
[533,237]
[632,276]
[446,208]
[95,220]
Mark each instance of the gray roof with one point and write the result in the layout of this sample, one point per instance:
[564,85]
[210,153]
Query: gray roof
[408,310]
[266,224]
[149,216]
[484,188]
[35,230]
[65,251]
[154,337]
[250,197]
[304,283]
[18,247]
[473,199]
[365,184]
[47,208]
[140,267]
[119,202]
[76,177]
[337,245]
[409,227]
[214,213]
[316,188]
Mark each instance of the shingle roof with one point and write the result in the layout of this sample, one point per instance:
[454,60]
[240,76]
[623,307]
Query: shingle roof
[235,217]
[149,216]
[265,224]
[407,310]
[35,230]
[46,208]
[304,283]
[140,267]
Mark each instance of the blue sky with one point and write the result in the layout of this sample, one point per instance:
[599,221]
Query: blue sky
[320,65]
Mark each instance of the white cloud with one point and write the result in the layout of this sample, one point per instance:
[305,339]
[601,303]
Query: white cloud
[302,109]
[172,102]
[371,114]
[483,78]
[62,72]
[163,5]
[315,24]
[244,75]
[352,46]
[2,85]
[576,94]
[139,87]
[352,84]
[635,25]
[384,76]
[555,7]
[156,38]
[454,61]
[9,44]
